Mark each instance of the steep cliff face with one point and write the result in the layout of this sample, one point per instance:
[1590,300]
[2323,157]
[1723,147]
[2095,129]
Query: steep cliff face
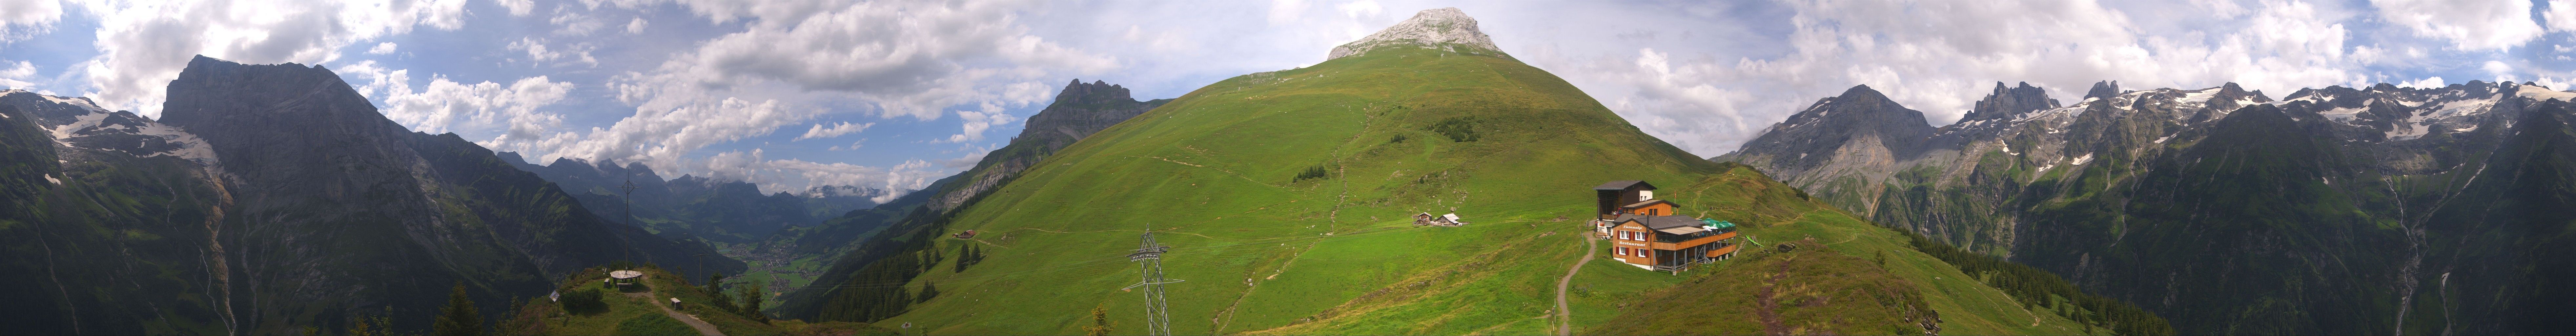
[2337,210]
[108,220]
[330,210]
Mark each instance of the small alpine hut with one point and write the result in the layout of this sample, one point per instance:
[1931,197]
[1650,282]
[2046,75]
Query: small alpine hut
[1423,219]
[1645,231]
[969,234]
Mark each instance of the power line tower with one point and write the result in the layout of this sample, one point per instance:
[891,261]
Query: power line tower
[1158,317]
[630,216]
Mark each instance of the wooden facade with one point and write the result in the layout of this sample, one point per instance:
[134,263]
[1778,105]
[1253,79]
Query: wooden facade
[1649,233]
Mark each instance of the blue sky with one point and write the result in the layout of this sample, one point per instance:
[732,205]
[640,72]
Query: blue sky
[895,94]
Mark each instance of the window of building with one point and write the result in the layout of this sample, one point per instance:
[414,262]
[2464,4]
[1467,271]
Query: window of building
[1623,250]
[1651,212]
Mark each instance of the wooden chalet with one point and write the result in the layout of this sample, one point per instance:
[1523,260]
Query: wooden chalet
[969,234]
[1645,232]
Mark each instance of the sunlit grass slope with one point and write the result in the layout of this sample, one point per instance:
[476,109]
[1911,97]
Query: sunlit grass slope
[1216,174]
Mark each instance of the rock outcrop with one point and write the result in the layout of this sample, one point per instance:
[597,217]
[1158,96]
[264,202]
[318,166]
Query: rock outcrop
[1440,28]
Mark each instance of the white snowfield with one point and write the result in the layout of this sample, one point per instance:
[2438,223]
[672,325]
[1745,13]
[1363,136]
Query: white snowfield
[190,147]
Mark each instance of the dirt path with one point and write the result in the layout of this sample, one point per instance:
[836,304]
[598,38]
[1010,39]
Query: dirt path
[692,320]
[1565,317]
[1769,309]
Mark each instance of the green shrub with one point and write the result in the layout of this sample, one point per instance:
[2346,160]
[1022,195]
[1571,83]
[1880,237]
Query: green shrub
[584,302]
[1459,129]
[1315,172]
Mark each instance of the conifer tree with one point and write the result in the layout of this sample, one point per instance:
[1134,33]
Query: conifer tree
[1099,321]
[750,307]
[458,317]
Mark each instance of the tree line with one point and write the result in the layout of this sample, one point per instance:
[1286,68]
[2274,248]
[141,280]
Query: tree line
[2036,288]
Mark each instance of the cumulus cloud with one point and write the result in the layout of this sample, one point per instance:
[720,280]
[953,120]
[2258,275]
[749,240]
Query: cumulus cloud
[448,106]
[843,128]
[22,19]
[2561,15]
[143,45]
[15,76]
[382,48]
[2469,25]
[904,58]
[635,27]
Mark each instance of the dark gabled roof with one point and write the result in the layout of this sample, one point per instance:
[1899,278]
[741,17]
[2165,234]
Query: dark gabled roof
[1642,204]
[1623,185]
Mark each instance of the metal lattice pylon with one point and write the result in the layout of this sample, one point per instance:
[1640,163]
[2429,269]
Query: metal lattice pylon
[1158,317]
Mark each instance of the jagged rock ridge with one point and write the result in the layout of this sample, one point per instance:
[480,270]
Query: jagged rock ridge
[271,198]
[2335,210]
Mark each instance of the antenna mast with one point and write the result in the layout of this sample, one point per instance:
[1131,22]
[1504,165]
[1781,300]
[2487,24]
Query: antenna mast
[1158,317]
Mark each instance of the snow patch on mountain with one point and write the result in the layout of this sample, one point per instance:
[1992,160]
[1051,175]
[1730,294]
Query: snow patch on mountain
[2536,92]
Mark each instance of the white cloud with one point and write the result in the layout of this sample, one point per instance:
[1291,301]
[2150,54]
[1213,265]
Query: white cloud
[976,122]
[539,53]
[2470,25]
[448,106]
[636,26]
[23,19]
[574,24]
[143,45]
[2561,15]
[519,7]
[843,128]
[2426,82]
[15,76]
[904,58]
[382,48]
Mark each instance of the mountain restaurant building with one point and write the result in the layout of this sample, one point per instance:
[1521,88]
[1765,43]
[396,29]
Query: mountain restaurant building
[1644,232]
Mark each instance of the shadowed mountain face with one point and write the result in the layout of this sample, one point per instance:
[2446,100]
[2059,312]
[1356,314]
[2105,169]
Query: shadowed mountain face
[281,199]
[2336,210]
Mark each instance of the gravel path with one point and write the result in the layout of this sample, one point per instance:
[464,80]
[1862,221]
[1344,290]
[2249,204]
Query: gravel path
[692,320]
[1564,316]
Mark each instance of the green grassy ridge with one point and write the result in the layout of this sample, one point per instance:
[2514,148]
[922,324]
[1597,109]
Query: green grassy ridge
[1214,174]
[1813,290]
[1215,170]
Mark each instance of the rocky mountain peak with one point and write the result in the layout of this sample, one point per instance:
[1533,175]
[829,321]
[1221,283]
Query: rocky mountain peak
[2008,101]
[1440,28]
[2104,90]
[1095,92]
[2231,92]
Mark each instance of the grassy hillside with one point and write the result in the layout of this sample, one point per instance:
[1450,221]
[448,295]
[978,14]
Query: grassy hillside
[639,312]
[1287,195]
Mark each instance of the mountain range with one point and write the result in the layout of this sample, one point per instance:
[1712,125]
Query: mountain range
[272,198]
[2333,210]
